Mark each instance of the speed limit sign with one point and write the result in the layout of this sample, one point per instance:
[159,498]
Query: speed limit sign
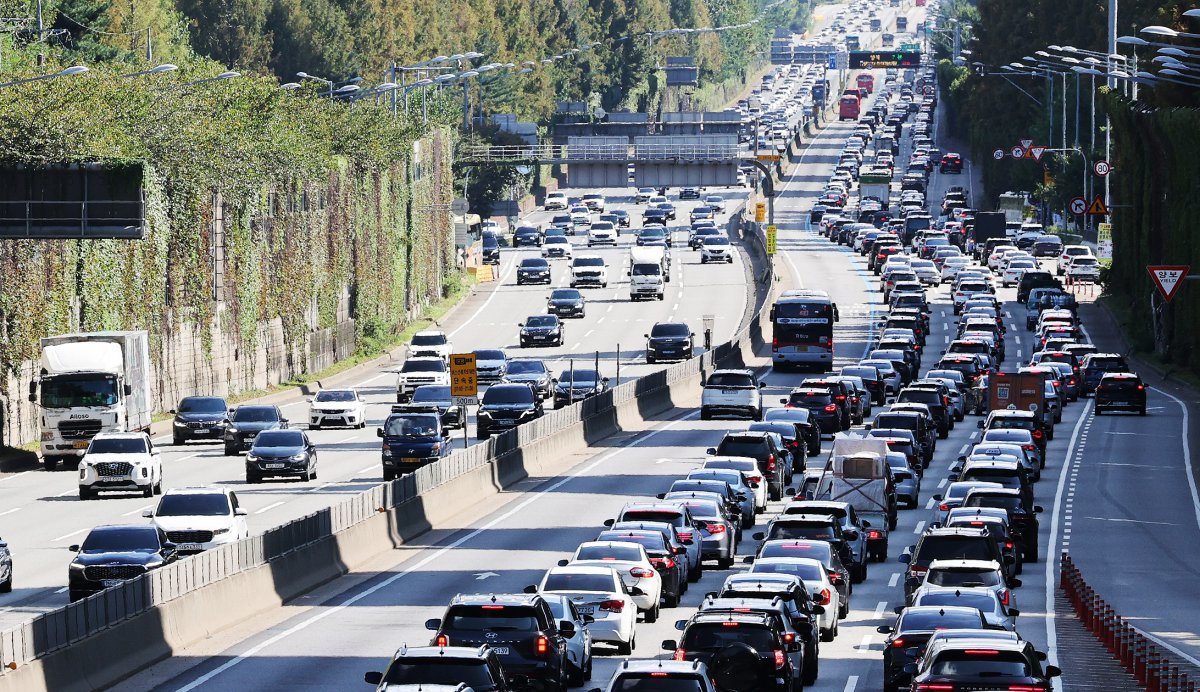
[1101,168]
[998,154]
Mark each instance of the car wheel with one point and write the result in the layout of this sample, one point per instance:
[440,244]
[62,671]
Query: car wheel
[158,490]
[695,575]
[811,665]
[652,614]
[85,493]
[148,491]
[1031,553]
[624,649]
[6,586]
[725,562]
[230,451]
[306,476]
[827,635]
[482,434]
[705,414]
[649,359]
[177,440]
[314,426]
[1142,411]
[389,475]
[671,601]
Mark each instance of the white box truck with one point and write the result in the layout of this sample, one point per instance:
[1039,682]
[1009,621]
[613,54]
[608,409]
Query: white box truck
[88,384]
[648,272]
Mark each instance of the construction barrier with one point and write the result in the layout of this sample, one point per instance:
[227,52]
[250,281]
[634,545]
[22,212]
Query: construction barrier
[1139,654]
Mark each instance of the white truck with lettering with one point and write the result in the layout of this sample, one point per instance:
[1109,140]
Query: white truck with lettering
[90,383]
[649,270]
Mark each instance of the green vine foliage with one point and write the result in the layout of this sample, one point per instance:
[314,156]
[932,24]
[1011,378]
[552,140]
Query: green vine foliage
[320,216]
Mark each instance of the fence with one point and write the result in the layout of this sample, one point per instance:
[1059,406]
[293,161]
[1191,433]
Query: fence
[1149,663]
[305,539]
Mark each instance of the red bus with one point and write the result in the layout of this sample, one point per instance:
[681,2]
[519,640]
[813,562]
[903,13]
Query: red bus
[848,108]
[866,81]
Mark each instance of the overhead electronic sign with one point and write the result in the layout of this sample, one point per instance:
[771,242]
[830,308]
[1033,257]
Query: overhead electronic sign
[869,60]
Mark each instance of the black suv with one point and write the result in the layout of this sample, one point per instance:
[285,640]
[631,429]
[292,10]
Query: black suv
[1035,279]
[1022,515]
[1121,391]
[781,619]
[743,651]
[113,554]
[412,439]
[934,400]
[913,629]
[479,668]
[199,417]
[956,543]
[504,407]
[823,411]
[533,270]
[527,235]
[520,628]
[773,459]
[914,422]
[247,422]
[491,248]
[788,593]
[669,341]
[843,395]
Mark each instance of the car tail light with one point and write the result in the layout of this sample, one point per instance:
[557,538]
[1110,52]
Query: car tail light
[841,397]
[1004,597]
[831,408]
[716,528]
[442,640]
[780,659]
[771,463]
[679,655]
[917,570]
[641,572]
[898,643]
[943,507]
[789,637]
[1009,545]
[874,535]
[934,687]
[824,597]
[1071,381]
[755,479]
[685,535]
[616,605]
[1037,434]
[1028,448]
[1141,387]
[542,647]
[1026,688]
[774,347]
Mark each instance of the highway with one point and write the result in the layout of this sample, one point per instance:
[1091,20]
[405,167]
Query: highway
[42,515]
[353,624]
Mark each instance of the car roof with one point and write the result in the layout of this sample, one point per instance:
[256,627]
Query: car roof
[494,598]
[199,490]
[964,564]
[660,665]
[121,435]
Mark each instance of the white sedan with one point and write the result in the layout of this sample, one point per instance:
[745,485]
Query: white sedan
[336,407]
[926,271]
[952,266]
[632,563]
[1014,270]
[816,579]
[597,591]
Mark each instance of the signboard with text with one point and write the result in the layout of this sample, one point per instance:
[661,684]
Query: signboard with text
[869,60]
[464,381]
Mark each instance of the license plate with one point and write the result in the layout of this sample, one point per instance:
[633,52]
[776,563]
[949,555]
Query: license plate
[586,610]
[410,460]
[188,546]
[202,431]
[274,466]
[500,650]
[106,583]
[80,444]
[1119,403]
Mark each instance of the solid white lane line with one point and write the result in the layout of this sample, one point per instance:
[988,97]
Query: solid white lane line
[1187,453]
[68,535]
[137,511]
[68,492]
[428,559]
[9,478]
[269,507]
[372,467]
[10,511]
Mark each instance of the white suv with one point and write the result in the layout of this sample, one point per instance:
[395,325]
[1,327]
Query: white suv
[120,461]
[589,270]
[555,200]
[430,342]
[733,392]
[1069,253]
[336,407]
[420,371]
[602,233]
[199,519]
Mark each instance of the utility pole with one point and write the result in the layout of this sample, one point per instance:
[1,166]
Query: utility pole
[41,57]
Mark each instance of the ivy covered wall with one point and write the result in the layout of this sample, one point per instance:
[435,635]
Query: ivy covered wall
[284,233]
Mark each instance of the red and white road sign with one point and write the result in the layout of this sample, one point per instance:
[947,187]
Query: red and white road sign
[1017,152]
[1101,168]
[1036,152]
[1026,143]
[1168,278]
[1079,206]
[998,154]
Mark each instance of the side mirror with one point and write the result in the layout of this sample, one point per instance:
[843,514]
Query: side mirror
[910,668]
[1014,583]
[374,677]
[646,335]
[682,624]
[563,563]
[1037,509]
[1010,560]
[790,492]
[433,624]
[1041,655]
[532,588]
[904,558]
[1014,612]
[938,497]
[567,628]
[1053,671]
[379,432]
[669,645]
[73,548]
[850,535]
[240,513]
[783,400]
[711,450]
[661,495]
[604,380]
[885,629]
[748,560]
[817,610]
[148,513]
[588,619]
[866,524]
[759,536]
[172,411]
[762,384]
[898,609]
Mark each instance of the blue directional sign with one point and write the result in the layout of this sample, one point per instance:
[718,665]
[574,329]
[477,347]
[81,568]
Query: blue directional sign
[832,64]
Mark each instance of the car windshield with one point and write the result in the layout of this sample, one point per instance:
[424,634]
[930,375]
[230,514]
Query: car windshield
[202,404]
[673,518]
[657,682]
[534,263]
[610,551]
[431,394]
[424,365]
[652,542]
[716,240]
[557,240]
[921,620]
[489,354]
[990,500]
[279,438]
[121,539]
[411,425]
[646,269]
[742,446]
[806,571]
[66,391]
[193,505]
[668,330]
[716,636]
[981,663]
[255,414]
[541,321]
[589,262]
[815,532]
[578,376]
[1013,434]
[439,671]
[954,548]
[429,340]
[118,445]
[526,367]
[514,394]
[729,380]
[565,294]
[570,581]
[960,577]
[340,395]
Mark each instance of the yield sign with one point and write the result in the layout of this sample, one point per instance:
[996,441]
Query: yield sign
[1026,143]
[1168,278]
[1097,207]
[1036,152]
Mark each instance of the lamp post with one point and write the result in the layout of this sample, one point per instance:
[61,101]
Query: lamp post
[65,72]
[219,78]
[497,78]
[166,67]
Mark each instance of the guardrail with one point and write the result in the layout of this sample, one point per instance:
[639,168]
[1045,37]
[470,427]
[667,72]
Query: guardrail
[1149,663]
[582,153]
[304,542]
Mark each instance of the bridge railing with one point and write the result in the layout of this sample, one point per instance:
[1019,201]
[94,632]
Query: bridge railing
[582,153]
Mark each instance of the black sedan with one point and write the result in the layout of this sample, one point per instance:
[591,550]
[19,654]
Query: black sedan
[541,330]
[533,270]
[576,385]
[281,453]
[199,417]
[247,422]
[669,341]
[566,302]
[504,407]
[113,554]
[527,235]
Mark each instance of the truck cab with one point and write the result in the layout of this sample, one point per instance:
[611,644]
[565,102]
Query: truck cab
[90,383]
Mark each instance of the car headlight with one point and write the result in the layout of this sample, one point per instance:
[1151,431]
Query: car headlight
[297,457]
[435,449]
[387,452]
[231,429]
[251,457]
[180,424]
[76,567]
[218,532]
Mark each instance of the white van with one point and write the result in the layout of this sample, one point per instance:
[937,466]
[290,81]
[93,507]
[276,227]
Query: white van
[647,272]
